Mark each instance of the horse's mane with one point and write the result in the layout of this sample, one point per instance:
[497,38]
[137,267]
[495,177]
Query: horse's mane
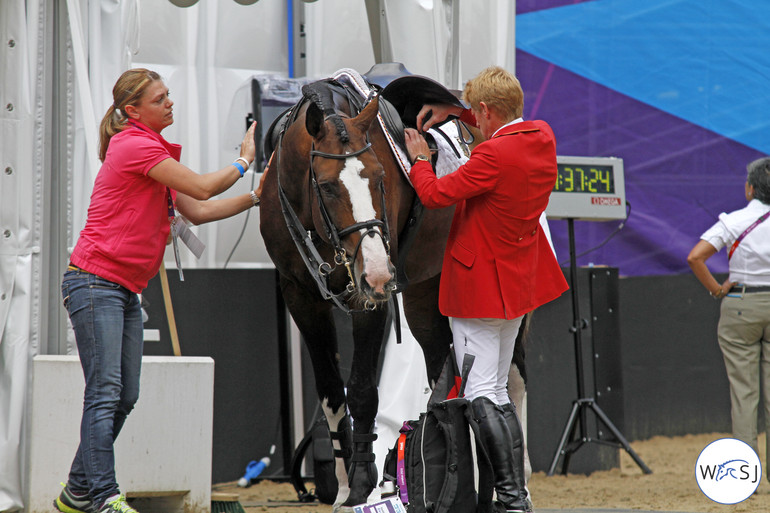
[320,93]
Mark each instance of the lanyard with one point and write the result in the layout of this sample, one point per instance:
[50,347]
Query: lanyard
[171,209]
[401,463]
[746,232]
[174,232]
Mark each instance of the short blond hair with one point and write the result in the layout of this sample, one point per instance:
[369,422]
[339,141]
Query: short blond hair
[499,90]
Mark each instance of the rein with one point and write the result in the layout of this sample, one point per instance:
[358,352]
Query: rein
[319,268]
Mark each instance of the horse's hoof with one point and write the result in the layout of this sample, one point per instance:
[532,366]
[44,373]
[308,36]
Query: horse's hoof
[354,501]
[342,509]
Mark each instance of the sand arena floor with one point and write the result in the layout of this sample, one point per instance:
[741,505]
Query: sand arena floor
[671,487]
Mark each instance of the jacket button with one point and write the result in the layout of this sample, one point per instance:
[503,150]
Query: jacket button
[520,238]
[534,232]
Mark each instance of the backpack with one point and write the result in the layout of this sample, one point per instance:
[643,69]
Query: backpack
[432,464]
[319,441]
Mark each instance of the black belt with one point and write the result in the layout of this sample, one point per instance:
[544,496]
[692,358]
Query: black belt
[743,289]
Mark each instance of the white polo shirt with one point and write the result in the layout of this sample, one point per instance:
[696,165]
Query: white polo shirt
[750,264]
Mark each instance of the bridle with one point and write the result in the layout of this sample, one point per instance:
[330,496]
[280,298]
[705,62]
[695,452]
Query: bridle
[335,236]
[319,268]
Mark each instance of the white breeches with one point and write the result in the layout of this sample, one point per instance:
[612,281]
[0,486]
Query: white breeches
[491,341]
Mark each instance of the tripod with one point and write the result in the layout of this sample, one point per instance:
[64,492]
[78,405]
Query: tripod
[580,407]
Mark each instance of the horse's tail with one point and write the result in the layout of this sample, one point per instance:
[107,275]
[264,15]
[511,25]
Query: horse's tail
[321,95]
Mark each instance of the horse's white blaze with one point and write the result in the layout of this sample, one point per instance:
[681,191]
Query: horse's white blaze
[372,249]
[333,419]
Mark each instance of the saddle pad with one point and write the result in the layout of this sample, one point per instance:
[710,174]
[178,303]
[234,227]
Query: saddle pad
[448,159]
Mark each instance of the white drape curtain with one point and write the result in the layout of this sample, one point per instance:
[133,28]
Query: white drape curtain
[103,35]
[420,33]
[207,54]
[21,164]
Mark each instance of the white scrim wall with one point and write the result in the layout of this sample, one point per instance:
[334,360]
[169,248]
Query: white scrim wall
[21,217]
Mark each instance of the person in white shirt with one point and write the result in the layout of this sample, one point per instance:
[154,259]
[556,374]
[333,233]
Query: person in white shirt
[744,319]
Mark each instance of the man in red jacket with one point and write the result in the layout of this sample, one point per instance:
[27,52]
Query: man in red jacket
[498,264]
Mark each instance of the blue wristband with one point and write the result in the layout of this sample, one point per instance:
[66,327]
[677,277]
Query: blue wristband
[240,167]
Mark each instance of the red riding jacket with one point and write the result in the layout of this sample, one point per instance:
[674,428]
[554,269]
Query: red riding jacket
[498,263]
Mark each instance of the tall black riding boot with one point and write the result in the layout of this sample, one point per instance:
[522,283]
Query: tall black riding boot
[499,444]
[517,436]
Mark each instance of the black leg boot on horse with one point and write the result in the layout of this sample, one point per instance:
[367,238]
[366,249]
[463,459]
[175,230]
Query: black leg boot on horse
[505,453]
[362,472]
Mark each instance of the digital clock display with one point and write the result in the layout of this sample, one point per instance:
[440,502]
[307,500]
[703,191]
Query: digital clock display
[594,179]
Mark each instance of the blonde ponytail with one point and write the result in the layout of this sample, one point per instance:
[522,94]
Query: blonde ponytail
[128,90]
[112,123]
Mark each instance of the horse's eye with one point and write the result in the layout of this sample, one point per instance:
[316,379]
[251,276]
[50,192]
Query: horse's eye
[329,188]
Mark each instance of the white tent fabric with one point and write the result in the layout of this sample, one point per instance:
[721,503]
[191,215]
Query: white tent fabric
[104,34]
[20,229]
[207,54]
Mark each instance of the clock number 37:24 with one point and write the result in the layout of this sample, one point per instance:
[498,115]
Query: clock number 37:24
[594,179]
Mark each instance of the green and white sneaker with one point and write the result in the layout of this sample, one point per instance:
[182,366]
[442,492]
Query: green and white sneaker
[116,503]
[68,502]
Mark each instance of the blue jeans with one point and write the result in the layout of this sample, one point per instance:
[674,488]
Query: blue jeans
[107,320]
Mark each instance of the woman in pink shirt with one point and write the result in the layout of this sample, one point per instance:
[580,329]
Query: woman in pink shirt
[137,193]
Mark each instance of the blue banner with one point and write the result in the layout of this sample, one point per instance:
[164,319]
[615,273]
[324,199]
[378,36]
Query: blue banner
[679,89]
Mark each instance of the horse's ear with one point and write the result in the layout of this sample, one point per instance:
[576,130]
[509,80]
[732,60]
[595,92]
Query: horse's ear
[364,120]
[314,121]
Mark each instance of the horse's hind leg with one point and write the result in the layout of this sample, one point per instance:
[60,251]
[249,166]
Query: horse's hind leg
[368,333]
[314,319]
[428,325]
[517,384]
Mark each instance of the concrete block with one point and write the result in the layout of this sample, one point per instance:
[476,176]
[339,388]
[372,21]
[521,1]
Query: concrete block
[163,454]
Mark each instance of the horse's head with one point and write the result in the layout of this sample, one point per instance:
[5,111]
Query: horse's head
[348,180]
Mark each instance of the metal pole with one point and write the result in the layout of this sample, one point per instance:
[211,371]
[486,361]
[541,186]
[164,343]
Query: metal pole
[577,324]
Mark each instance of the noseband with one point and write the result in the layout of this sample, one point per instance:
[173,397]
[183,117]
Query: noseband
[320,269]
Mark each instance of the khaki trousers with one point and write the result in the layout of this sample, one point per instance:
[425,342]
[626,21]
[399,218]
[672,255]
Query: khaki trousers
[744,337]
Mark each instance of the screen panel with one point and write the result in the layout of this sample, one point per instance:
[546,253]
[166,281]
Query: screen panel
[589,189]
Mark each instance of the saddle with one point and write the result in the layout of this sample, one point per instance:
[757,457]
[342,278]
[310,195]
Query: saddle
[401,96]
[407,93]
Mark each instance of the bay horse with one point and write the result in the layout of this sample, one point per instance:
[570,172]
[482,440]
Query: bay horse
[335,210]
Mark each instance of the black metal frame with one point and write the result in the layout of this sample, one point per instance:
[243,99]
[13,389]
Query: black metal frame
[569,443]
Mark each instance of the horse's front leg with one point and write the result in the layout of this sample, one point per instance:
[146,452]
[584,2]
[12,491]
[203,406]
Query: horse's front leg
[315,321]
[363,401]
[342,444]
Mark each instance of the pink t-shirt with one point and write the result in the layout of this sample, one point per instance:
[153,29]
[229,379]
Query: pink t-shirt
[128,219]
